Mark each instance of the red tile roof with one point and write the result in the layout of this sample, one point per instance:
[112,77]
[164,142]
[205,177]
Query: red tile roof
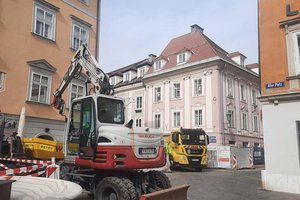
[199,44]
[252,66]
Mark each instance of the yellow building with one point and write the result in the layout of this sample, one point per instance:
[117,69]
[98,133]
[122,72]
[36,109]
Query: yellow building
[38,39]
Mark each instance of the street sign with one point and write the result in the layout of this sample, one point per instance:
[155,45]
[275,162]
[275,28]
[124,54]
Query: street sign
[274,85]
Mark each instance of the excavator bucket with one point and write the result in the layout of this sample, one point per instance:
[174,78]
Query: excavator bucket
[173,193]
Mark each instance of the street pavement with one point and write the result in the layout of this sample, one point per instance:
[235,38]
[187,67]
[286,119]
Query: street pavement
[222,184]
[219,184]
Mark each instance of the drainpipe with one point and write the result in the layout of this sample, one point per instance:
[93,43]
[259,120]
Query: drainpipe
[98,32]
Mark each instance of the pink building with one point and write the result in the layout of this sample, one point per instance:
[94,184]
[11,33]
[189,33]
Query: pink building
[194,83]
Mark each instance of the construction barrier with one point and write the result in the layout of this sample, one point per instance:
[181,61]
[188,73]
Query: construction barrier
[230,157]
[38,168]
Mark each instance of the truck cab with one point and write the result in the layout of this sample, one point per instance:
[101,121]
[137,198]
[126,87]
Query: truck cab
[188,148]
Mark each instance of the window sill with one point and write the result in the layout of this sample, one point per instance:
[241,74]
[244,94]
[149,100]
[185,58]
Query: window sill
[200,95]
[230,97]
[157,102]
[174,98]
[38,103]
[42,37]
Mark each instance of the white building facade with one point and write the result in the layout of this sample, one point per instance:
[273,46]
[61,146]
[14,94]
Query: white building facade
[195,84]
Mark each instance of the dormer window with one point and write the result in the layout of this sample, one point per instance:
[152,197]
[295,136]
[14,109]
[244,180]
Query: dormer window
[157,65]
[181,58]
[141,72]
[126,76]
[113,80]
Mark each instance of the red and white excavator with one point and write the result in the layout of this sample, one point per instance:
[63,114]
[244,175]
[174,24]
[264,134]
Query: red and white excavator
[103,153]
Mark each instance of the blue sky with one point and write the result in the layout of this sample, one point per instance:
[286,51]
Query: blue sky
[132,29]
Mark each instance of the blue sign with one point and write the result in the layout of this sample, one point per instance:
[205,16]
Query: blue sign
[212,139]
[274,85]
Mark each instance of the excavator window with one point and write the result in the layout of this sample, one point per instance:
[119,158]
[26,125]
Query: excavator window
[110,110]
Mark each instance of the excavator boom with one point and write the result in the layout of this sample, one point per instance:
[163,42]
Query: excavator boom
[83,60]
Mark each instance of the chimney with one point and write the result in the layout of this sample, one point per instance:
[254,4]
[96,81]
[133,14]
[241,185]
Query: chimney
[196,28]
[151,57]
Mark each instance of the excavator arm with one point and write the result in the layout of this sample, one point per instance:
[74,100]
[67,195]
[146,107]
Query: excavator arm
[83,59]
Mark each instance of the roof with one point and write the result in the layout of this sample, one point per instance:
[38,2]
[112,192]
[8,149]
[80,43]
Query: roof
[199,44]
[252,66]
[132,67]
[236,54]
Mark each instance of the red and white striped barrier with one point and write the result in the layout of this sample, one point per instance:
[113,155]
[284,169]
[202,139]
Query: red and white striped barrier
[47,167]
[234,162]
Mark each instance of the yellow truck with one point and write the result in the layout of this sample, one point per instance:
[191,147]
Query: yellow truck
[188,148]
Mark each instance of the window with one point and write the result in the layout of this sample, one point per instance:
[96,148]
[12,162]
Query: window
[256,145]
[244,121]
[243,92]
[39,88]
[76,91]
[141,71]
[2,79]
[176,89]
[254,96]
[230,87]
[198,117]
[157,94]
[255,123]
[113,80]
[80,35]
[230,118]
[231,143]
[139,103]
[157,121]
[176,118]
[198,87]
[181,58]
[126,76]
[157,65]
[245,144]
[44,22]
[296,43]
[138,123]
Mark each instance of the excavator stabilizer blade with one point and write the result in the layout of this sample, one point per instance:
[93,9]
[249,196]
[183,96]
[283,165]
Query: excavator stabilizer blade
[173,193]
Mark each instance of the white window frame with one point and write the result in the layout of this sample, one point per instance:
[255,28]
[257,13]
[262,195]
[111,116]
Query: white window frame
[296,48]
[244,121]
[255,123]
[195,94]
[254,96]
[139,103]
[230,87]
[175,89]
[141,71]
[157,120]
[157,65]
[181,58]
[231,123]
[138,122]
[41,74]
[77,85]
[81,27]
[176,118]
[113,80]
[243,92]
[157,95]
[126,76]
[53,25]
[2,81]
[200,118]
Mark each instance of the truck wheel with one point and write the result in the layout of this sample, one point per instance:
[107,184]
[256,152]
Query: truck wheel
[112,188]
[131,189]
[159,179]
[172,164]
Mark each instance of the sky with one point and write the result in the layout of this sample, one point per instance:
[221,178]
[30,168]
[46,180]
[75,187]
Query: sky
[130,30]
